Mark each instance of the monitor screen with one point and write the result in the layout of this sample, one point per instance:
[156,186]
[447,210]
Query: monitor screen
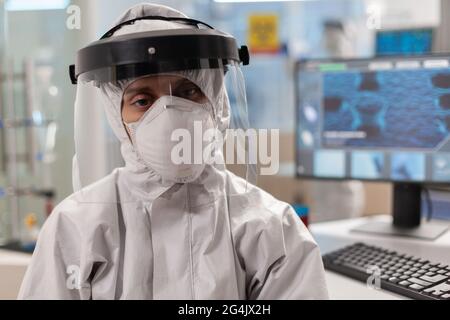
[404,42]
[374,119]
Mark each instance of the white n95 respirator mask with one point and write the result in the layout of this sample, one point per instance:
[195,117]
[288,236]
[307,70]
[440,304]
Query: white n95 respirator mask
[169,138]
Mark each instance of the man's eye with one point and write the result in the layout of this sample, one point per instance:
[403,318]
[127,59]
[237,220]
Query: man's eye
[142,103]
[192,93]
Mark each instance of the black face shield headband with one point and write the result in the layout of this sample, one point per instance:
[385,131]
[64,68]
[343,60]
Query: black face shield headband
[133,55]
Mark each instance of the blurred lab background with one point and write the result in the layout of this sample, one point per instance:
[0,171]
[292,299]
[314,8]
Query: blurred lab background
[39,39]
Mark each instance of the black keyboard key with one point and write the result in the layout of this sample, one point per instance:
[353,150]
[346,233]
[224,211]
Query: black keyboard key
[421,271]
[394,279]
[420,281]
[434,279]
[437,293]
[438,289]
[423,261]
[416,286]
[434,264]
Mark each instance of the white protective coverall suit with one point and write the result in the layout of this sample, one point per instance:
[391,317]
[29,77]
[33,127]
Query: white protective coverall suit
[198,240]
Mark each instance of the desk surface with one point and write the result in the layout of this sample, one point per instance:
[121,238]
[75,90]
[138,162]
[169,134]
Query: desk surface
[336,234]
[13,258]
[12,269]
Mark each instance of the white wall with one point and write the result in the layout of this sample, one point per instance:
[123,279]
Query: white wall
[405,14]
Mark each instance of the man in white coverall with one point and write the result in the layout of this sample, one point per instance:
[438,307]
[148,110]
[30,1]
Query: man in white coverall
[155,229]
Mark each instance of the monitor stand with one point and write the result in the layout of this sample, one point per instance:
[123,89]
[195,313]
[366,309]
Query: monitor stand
[406,216]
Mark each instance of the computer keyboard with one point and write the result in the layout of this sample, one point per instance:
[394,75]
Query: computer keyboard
[403,274]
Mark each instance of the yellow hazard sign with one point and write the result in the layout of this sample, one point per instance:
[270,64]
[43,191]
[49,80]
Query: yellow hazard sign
[263,33]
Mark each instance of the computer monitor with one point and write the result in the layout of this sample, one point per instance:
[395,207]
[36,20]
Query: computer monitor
[381,119]
[404,42]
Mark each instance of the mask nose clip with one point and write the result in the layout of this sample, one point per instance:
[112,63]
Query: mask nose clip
[179,107]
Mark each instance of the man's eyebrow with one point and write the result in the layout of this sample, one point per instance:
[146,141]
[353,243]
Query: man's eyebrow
[132,91]
[182,81]
[146,89]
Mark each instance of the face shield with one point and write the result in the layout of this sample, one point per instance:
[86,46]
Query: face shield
[174,99]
